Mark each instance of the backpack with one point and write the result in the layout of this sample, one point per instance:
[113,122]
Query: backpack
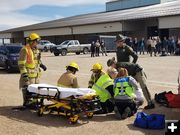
[153,121]
[161,98]
[173,100]
[168,99]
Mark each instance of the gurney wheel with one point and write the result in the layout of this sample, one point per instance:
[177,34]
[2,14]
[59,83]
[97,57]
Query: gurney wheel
[73,119]
[40,111]
[89,115]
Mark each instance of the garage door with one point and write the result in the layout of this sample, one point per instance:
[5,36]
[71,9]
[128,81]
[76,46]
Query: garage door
[169,22]
[98,28]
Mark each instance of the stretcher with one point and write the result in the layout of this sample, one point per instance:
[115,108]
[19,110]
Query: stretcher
[68,102]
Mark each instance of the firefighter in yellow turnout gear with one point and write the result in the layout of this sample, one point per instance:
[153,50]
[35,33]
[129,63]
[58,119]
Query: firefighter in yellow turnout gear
[103,85]
[29,64]
[69,79]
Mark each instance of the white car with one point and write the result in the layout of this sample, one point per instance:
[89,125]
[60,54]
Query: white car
[45,45]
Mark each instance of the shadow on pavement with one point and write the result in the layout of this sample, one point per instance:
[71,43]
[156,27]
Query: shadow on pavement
[30,116]
[170,113]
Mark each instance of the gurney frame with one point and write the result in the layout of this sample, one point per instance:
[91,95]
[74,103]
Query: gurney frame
[70,107]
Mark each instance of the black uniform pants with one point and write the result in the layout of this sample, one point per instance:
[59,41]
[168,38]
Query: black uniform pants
[122,104]
[107,107]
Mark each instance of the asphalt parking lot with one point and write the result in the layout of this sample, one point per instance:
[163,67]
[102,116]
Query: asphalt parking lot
[162,73]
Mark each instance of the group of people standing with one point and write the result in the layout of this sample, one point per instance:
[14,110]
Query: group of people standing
[97,47]
[154,45]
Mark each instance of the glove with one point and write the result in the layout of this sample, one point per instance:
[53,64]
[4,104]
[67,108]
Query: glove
[43,67]
[25,77]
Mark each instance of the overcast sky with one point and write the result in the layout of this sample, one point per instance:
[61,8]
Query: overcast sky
[16,13]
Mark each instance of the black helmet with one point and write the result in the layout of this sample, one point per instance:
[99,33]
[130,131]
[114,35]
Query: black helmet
[120,37]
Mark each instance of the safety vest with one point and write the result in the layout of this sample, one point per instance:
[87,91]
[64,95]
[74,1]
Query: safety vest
[100,87]
[31,63]
[122,87]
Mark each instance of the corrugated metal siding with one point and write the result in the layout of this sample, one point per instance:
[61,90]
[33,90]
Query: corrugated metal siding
[50,32]
[169,22]
[98,28]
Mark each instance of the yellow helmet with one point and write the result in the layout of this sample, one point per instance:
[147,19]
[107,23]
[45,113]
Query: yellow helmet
[74,65]
[97,66]
[34,36]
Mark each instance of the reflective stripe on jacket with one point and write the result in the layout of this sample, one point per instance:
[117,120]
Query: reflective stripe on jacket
[123,88]
[100,87]
[94,78]
[29,61]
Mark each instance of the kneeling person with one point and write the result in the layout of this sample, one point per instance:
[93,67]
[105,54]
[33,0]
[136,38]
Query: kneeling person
[138,74]
[125,97]
[69,79]
[103,85]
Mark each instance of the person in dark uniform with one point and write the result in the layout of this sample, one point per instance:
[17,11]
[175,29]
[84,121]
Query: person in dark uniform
[93,48]
[123,51]
[103,48]
[138,74]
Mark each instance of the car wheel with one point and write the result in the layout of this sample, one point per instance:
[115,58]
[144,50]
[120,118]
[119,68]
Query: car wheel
[64,52]
[56,54]
[8,67]
[77,53]
[45,49]
[85,50]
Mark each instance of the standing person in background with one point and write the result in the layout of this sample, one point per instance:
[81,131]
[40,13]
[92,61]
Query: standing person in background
[158,45]
[173,45]
[103,48]
[128,41]
[153,47]
[149,41]
[93,47]
[135,45]
[164,47]
[131,42]
[69,79]
[142,45]
[124,52]
[29,63]
[97,44]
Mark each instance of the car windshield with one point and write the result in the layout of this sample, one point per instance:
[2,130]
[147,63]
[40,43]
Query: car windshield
[14,49]
[65,42]
[44,42]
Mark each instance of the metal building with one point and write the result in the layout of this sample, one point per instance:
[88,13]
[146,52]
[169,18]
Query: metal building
[159,18]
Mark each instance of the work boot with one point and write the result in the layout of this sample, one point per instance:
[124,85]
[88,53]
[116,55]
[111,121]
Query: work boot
[126,113]
[117,114]
[150,105]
